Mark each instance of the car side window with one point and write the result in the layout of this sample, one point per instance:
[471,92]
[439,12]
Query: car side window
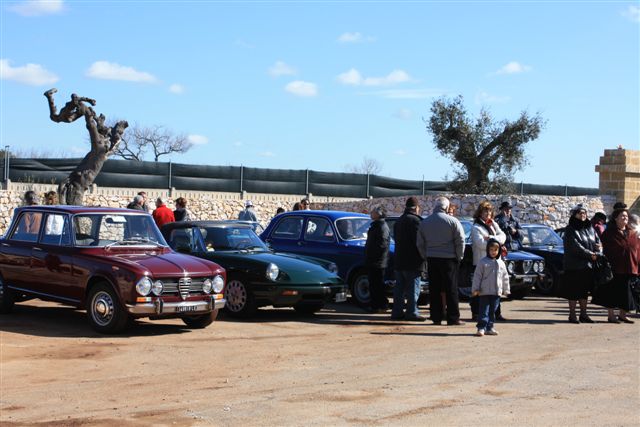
[56,230]
[288,228]
[318,230]
[28,227]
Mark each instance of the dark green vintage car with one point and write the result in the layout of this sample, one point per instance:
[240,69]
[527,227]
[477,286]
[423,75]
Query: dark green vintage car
[257,276]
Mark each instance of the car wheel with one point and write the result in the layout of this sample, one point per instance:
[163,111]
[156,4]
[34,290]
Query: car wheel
[104,311]
[6,298]
[547,285]
[360,289]
[240,301]
[308,308]
[199,322]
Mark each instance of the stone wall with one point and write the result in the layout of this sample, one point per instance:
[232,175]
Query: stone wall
[550,210]
[619,171]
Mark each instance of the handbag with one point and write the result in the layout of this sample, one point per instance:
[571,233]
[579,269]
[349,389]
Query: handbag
[602,272]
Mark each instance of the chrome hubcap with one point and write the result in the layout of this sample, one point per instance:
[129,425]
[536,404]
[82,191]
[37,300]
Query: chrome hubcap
[362,289]
[102,308]
[236,295]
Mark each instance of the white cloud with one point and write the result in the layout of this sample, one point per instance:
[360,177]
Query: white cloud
[37,7]
[111,71]
[302,88]
[354,38]
[178,89]
[400,152]
[353,77]
[403,114]
[632,13]
[407,93]
[266,154]
[197,139]
[513,67]
[486,98]
[281,69]
[30,74]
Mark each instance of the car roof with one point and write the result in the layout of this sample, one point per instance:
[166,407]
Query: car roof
[534,225]
[206,223]
[333,215]
[80,209]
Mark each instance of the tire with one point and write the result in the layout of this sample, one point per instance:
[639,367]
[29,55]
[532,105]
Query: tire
[359,288]
[308,308]
[7,299]
[104,311]
[547,286]
[199,322]
[240,301]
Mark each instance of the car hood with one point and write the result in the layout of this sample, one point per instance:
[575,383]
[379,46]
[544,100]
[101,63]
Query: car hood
[298,268]
[522,256]
[550,249]
[169,264]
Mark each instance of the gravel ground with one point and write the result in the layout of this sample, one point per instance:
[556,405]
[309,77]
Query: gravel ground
[340,367]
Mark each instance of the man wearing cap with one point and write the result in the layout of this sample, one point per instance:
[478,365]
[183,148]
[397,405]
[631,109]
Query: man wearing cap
[440,241]
[162,214]
[408,264]
[248,214]
[510,226]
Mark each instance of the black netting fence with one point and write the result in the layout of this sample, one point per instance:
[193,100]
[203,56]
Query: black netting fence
[128,173]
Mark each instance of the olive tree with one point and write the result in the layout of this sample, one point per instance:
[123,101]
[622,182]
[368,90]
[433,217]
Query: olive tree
[159,141]
[487,152]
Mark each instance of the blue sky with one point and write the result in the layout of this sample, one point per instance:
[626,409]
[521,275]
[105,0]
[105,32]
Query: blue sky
[321,85]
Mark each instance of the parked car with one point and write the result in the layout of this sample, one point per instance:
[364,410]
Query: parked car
[525,269]
[542,240]
[112,262]
[257,276]
[336,236]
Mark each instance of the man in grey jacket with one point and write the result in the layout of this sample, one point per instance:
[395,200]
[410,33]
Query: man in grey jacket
[440,241]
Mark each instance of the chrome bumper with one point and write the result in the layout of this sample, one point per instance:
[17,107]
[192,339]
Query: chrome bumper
[184,307]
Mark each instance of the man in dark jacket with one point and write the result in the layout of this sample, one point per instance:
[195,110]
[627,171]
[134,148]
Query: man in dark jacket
[408,263]
[377,258]
[510,226]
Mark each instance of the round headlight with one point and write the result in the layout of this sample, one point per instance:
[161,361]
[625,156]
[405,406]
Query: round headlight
[540,266]
[510,267]
[332,268]
[157,287]
[218,284]
[272,271]
[144,286]
[207,285]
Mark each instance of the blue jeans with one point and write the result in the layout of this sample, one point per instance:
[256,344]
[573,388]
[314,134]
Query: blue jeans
[487,305]
[407,285]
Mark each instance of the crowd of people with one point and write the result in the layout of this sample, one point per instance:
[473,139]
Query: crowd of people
[437,243]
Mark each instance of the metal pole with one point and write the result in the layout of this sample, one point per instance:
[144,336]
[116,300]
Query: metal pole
[521,188]
[306,187]
[423,185]
[241,178]
[566,190]
[169,174]
[368,186]
[7,154]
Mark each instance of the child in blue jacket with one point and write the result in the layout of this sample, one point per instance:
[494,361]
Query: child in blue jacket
[490,280]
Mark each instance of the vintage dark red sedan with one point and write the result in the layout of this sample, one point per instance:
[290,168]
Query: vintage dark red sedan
[112,262]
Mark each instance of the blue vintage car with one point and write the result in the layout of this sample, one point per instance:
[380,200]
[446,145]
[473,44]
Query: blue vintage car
[525,269]
[335,236]
[541,240]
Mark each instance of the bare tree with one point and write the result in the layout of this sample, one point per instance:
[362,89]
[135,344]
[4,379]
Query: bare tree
[104,141]
[138,141]
[368,166]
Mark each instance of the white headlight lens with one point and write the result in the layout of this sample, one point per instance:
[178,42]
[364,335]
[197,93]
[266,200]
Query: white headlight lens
[207,285]
[272,272]
[536,267]
[144,286]
[510,267]
[157,287]
[541,266]
[218,284]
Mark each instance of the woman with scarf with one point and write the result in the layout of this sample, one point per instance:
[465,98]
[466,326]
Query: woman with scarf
[484,228]
[622,249]
[581,249]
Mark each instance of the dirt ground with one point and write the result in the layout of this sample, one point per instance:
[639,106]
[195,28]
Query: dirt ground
[341,367]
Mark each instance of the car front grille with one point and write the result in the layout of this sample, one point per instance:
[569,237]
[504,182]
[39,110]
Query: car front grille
[184,287]
[526,266]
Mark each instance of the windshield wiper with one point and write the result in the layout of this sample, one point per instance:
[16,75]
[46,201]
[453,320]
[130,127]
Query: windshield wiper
[134,241]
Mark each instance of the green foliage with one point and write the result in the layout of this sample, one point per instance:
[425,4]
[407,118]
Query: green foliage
[487,152]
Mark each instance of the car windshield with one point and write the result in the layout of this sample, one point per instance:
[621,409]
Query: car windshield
[116,229]
[353,228]
[540,236]
[231,238]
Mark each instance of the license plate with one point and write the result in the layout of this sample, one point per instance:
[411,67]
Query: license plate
[341,297]
[185,308]
[528,279]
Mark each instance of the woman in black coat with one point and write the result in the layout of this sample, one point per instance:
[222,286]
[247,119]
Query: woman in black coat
[377,257]
[581,248]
